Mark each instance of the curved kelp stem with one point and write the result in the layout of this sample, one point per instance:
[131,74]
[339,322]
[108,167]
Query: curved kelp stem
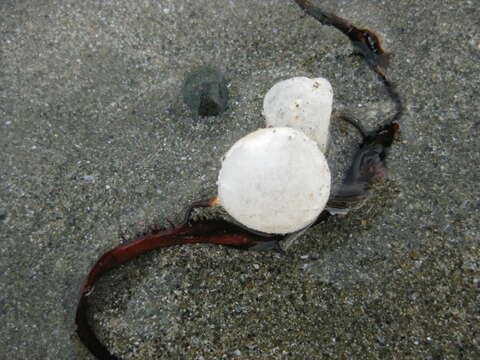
[205,231]
[369,161]
[368,164]
[364,40]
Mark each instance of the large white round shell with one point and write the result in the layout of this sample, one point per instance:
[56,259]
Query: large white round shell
[301,103]
[274,180]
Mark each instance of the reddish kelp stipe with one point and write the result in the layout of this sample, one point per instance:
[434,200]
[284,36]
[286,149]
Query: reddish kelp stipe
[367,164]
[206,231]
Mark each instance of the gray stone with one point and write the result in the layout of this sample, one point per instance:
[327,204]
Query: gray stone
[3,214]
[205,91]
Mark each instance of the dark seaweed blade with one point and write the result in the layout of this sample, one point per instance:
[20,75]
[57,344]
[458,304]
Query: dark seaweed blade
[206,231]
[364,40]
[368,164]
[369,161]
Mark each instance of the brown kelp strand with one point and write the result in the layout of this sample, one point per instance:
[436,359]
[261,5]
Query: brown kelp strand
[369,161]
[191,232]
[365,41]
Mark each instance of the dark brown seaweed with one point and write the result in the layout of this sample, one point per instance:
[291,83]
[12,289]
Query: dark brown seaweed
[364,40]
[191,232]
[369,161]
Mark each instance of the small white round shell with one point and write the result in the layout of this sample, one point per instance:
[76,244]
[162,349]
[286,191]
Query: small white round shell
[274,180]
[301,103]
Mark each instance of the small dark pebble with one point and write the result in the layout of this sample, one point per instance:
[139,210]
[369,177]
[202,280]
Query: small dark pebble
[205,91]
[3,214]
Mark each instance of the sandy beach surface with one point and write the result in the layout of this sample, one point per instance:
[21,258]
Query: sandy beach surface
[97,144]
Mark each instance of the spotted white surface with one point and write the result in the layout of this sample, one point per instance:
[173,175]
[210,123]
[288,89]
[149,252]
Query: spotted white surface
[301,103]
[274,180]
